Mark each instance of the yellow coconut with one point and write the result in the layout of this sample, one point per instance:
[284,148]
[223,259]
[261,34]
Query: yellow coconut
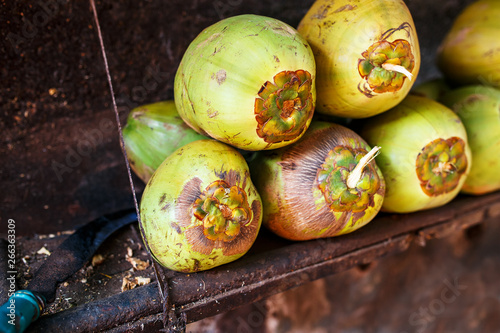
[367,55]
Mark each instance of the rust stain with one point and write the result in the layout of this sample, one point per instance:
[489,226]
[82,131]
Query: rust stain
[322,12]
[162,198]
[221,76]
[166,207]
[212,113]
[176,227]
[345,8]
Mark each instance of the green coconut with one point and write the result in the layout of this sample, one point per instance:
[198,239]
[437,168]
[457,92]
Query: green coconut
[248,81]
[200,208]
[433,89]
[326,184]
[152,133]
[367,55]
[426,156]
[479,109]
[470,52]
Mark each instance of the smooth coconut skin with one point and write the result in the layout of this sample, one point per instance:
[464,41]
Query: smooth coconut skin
[303,186]
[433,89]
[426,156]
[479,109]
[200,208]
[470,52]
[153,132]
[353,41]
[248,81]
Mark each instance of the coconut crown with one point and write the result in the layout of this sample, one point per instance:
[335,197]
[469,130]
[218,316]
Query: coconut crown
[248,81]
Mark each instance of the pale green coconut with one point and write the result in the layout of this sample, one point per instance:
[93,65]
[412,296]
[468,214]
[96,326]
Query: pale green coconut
[248,81]
[152,133]
[426,156]
[470,52]
[479,109]
[200,208]
[433,89]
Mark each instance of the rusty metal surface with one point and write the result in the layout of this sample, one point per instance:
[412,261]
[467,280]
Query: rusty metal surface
[231,299]
[275,268]
[450,285]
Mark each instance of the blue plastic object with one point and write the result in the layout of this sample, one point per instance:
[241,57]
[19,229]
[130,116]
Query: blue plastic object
[22,308]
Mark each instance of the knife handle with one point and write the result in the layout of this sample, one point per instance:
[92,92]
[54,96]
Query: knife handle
[22,308]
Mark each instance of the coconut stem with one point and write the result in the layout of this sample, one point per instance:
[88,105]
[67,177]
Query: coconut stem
[397,68]
[355,174]
[444,167]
